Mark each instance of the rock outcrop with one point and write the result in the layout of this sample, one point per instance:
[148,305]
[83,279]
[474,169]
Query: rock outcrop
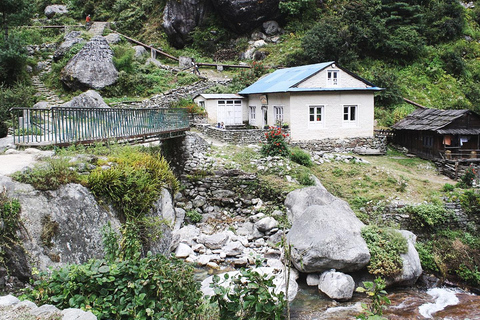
[89,99]
[91,68]
[246,15]
[328,237]
[55,10]
[65,225]
[69,41]
[412,267]
[181,17]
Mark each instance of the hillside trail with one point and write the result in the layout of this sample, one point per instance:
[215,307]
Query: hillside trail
[97,28]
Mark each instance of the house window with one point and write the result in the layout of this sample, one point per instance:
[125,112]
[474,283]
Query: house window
[332,77]
[315,114]
[428,141]
[349,113]
[252,115]
[278,113]
[201,104]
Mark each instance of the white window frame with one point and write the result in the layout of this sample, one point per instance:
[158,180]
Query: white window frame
[333,77]
[316,121]
[252,115]
[347,115]
[278,115]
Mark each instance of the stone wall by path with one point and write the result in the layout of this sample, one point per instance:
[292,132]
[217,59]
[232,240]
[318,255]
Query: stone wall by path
[360,145]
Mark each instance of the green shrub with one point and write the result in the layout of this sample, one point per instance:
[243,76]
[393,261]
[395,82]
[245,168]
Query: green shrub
[468,177]
[133,183]
[194,216]
[123,58]
[49,175]
[427,215]
[249,295]
[276,144]
[447,187]
[10,218]
[304,177]
[427,256]
[385,246]
[379,300]
[150,288]
[301,157]
[470,201]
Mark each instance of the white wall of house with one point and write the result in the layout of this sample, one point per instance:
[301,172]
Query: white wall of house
[218,113]
[333,122]
[275,100]
[321,80]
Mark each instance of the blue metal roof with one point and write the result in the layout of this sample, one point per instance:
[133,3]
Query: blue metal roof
[284,80]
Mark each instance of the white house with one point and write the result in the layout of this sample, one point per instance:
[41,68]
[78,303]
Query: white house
[228,109]
[317,101]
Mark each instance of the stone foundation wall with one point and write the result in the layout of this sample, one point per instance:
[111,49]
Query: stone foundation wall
[361,145]
[243,136]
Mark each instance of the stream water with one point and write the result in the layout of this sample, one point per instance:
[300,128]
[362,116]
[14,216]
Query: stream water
[409,303]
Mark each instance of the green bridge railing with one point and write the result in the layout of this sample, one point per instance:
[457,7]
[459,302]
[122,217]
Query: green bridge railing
[65,126]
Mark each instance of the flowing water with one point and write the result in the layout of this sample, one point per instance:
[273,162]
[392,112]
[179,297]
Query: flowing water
[410,303]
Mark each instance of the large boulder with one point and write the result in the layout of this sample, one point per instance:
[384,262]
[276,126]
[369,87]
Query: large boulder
[412,267]
[336,285]
[89,99]
[298,200]
[91,68]
[328,237]
[64,226]
[56,9]
[242,16]
[181,17]
[69,41]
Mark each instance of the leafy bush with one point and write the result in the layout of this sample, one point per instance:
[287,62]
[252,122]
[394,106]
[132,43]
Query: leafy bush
[304,177]
[470,202]
[249,295]
[194,216]
[468,177]
[248,76]
[10,217]
[50,175]
[123,58]
[150,288]
[427,216]
[447,187]
[276,144]
[385,246]
[13,59]
[379,300]
[19,95]
[301,157]
[427,256]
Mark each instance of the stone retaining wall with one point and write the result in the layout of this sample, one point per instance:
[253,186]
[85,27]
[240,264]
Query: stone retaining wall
[361,145]
[243,136]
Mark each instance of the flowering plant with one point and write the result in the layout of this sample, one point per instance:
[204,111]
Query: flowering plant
[469,177]
[276,144]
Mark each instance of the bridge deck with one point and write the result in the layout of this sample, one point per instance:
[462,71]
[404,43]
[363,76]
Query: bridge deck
[65,126]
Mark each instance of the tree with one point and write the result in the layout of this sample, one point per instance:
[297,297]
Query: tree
[14,12]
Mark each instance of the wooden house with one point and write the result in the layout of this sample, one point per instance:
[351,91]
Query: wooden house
[440,134]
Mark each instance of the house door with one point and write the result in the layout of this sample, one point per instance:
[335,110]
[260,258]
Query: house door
[264,116]
[229,112]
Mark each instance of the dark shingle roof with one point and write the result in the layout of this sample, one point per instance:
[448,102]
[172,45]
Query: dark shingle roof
[429,119]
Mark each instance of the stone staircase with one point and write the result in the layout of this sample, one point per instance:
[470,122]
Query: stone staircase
[44,93]
[97,28]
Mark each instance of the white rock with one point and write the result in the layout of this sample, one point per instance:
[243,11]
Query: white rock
[183,250]
[8,300]
[313,279]
[336,285]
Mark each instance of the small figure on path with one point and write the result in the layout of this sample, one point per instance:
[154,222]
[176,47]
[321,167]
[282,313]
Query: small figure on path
[195,67]
[88,22]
